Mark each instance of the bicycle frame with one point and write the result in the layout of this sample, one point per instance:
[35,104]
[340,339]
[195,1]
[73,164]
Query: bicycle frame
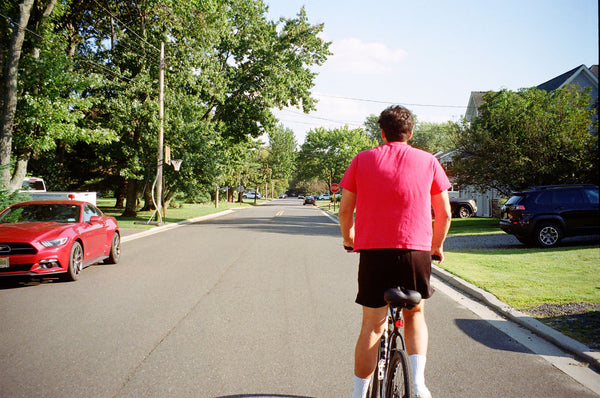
[389,340]
[393,366]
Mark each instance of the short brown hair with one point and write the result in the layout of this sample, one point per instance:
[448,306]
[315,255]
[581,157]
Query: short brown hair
[397,123]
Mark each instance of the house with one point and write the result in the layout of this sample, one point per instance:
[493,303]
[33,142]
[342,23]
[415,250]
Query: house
[581,76]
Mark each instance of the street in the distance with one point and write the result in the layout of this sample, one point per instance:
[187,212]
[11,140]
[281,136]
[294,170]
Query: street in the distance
[255,303]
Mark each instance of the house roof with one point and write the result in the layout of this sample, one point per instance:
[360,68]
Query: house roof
[477,97]
[566,78]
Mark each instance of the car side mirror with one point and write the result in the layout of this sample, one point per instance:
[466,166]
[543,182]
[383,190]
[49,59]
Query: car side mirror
[95,219]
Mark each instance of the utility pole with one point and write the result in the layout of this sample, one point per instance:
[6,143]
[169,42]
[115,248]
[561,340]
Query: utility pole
[161,118]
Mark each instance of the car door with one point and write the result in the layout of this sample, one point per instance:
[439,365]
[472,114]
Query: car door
[591,222]
[94,235]
[573,208]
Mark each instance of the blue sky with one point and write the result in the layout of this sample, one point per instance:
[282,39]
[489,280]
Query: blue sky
[429,55]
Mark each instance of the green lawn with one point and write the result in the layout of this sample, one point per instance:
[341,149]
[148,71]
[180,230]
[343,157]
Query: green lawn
[527,277]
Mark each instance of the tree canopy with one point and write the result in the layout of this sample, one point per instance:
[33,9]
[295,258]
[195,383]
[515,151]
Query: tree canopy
[326,153]
[526,138]
[80,104]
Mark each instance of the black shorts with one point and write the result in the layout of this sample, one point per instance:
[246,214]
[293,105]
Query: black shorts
[381,269]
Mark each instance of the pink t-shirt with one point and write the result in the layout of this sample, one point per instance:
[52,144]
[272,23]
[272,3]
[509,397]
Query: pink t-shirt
[393,184]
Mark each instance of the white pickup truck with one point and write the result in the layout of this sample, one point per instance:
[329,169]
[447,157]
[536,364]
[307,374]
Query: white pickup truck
[36,189]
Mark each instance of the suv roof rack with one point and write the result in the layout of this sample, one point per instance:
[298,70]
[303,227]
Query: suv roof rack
[540,187]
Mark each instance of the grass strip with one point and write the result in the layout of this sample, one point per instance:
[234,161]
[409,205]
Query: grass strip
[528,277]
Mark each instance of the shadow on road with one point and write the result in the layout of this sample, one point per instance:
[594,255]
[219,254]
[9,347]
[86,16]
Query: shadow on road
[486,332]
[316,224]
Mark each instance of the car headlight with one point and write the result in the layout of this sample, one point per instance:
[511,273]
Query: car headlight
[54,242]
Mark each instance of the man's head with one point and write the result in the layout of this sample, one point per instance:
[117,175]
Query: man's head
[397,123]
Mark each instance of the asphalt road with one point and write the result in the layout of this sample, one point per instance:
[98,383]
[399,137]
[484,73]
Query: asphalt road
[256,303]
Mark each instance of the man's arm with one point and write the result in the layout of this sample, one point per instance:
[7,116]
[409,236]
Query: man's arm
[346,216]
[441,225]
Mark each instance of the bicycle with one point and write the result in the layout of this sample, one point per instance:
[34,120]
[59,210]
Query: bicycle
[393,374]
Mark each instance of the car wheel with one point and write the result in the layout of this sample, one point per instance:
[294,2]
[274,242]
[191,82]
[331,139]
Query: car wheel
[115,250]
[464,212]
[75,262]
[548,235]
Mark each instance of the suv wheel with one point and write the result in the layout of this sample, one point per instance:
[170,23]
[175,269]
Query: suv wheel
[464,212]
[548,234]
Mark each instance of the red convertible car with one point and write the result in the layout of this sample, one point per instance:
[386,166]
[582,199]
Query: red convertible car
[56,237]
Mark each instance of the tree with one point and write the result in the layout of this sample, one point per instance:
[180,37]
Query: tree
[432,137]
[527,138]
[326,154]
[44,105]
[372,128]
[227,68]
[282,153]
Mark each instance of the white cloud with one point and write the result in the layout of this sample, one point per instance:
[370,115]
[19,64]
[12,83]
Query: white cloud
[354,56]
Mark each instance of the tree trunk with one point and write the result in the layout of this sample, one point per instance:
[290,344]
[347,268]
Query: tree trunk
[131,204]
[120,195]
[9,90]
[20,172]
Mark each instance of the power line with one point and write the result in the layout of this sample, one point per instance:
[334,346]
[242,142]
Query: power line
[389,102]
[124,25]
[80,57]
[12,22]
[322,118]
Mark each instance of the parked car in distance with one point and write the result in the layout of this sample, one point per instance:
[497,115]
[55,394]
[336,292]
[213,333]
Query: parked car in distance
[463,207]
[56,237]
[309,200]
[251,195]
[543,215]
[324,196]
[283,196]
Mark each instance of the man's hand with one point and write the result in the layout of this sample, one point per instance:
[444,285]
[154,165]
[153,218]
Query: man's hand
[346,216]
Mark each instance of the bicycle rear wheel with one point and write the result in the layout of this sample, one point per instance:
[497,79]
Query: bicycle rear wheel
[399,382]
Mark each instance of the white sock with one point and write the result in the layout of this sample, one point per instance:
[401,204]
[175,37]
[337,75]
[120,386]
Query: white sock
[361,386]
[417,362]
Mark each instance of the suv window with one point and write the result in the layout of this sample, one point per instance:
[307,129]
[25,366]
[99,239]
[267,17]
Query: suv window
[567,196]
[591,195]
[513,200]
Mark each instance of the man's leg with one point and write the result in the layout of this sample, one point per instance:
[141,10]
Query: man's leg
[365,354]
[416,335]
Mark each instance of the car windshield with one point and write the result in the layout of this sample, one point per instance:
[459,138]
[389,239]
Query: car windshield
[41,213]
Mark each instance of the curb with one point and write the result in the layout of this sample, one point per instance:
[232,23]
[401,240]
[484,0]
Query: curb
[581,351]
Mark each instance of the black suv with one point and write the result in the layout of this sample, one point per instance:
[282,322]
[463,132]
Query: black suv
[544,215]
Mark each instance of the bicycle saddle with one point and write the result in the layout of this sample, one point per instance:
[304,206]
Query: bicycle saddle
[401,297]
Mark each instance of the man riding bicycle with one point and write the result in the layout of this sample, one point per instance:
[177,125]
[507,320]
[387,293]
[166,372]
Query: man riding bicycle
[392,188]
